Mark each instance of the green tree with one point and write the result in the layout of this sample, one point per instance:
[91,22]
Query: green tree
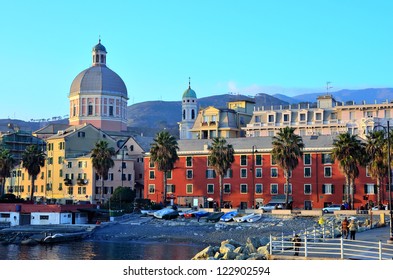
[350,153]
[163,153]
[33,158]
[376,160]
[287,149]
[221,157]
[102,161]
[7,163]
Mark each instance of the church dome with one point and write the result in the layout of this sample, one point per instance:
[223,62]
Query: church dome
[189,93]
[99,47]
[98,79]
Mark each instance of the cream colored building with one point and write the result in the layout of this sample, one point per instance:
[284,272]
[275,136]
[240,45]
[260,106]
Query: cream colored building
[329,117]
[214,122]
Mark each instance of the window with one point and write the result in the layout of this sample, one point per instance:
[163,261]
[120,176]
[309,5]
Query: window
[229,174]
[258,188]
[70,190]
[270,118]
[274,172]
[302,117]
[170,188]
[44,217]
[286,117]
[258,160]
[370,189]
[243,160]
[189,188]
[227,188]
[243,188]
[307,172]
[111,110]
[210,174]
[81,134]
[273,161]
[152,189]
[69,164]
[90,110]
[288,188]
[189,174]
[327,171]
[110,176]
[61,173]
[243,172]
[318,116]
[210,188]
[307,159]
[327,189]
[368,171]
[169,174]
[273,188]
[151,164]
[307,188]
[189,161]
[258,173]
[151,174]
[326,158]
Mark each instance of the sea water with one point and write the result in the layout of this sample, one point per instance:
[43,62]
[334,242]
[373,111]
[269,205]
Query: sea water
[93,250]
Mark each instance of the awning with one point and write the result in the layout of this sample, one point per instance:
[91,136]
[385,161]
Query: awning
[280,199]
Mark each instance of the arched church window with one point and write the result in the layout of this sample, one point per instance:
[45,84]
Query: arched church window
[192,114]
[184,114]
[97,58]
[102,58]
[90,110]
[74,111]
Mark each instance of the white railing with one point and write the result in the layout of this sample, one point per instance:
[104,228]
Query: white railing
[337,248]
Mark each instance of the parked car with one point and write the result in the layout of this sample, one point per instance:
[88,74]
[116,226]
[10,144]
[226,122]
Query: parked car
[331,208]
[271,206]
[384,207]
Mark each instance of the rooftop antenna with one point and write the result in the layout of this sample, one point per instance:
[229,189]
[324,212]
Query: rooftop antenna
[328,87]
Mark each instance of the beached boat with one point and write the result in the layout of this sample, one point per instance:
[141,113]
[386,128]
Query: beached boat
[227,217]
[240,218]
[214,217]
[201,213]
[189,213]
[165,211]
[254,218]
[63,237]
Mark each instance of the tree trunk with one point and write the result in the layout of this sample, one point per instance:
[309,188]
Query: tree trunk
[164,189]
[378,191]
[32,188]
[221,191]
[351,203]
[102,189]
[287,189]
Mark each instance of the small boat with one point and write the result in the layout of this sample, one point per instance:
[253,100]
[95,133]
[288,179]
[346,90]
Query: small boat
[149,212]
[201,213]
[171,215]
[165,211]
[214,217]
[63,237]
[240,218]
[189,213]
[254,218]
[227,217]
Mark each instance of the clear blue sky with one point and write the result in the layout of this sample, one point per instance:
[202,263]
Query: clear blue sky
[247,47]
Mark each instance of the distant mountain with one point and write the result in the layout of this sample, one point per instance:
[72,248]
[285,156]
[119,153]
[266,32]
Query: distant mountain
[369,96]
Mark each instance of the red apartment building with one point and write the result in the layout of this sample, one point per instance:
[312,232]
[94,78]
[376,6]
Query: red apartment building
[254,179]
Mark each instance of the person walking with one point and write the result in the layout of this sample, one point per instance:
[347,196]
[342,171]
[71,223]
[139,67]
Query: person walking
[344,228]
[296,244]
[353,227]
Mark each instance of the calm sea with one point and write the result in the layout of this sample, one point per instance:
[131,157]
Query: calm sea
[89,250]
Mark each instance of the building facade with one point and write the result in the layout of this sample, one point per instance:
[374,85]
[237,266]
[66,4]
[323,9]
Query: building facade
[328,117]
[254,179]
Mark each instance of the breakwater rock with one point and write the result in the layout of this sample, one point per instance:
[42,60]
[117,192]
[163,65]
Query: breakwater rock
[255,248]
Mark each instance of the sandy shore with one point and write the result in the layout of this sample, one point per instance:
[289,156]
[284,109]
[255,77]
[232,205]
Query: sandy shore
[191,231]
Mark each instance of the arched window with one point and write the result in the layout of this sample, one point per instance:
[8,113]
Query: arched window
[192,114]
[184,114]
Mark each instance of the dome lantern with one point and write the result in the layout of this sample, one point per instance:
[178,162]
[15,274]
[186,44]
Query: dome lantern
[99,54]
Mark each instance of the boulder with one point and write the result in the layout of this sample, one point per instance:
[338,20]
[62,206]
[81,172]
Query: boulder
[230,255]
[205,253]
[232,242]
[227,248]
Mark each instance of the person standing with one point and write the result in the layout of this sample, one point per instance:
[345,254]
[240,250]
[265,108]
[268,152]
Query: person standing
[296,244]
[344,228]
[353,227]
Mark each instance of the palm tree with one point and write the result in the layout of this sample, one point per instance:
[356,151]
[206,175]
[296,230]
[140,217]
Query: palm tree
[163,152]
[350,152]
[221,157]
[7,163]
[102,161]
[375,149]
[287,149]
[33,159]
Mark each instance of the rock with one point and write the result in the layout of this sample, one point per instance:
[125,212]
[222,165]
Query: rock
[230,255]
[227,248]
[263,250]
[252,244]
[256,256]
[205,253]
[232,242]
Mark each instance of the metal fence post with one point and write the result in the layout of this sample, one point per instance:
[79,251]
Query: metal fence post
[315,233]
[342,248]
[282,242]
[305,246]
[380,250]
[271,245]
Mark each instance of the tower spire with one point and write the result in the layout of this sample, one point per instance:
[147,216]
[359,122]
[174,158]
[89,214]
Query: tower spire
[189,82]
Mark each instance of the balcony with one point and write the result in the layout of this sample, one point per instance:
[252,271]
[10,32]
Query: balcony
[82,182]
[68,182]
